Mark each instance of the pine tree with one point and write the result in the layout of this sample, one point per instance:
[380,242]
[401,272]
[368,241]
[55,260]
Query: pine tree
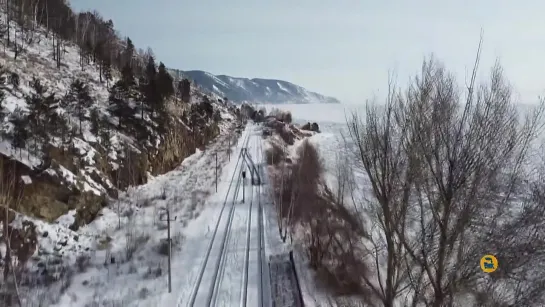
[14,80]
[128,53]
[127,76]
[123,92]
[107,71]
[164,82]
[48,116]
[53,123]
[64,129]
[149,88]
[81,100]
[105,137]
[186,90]
[20,133]
[2,114]
[119,99]
[37,111]
[95,122]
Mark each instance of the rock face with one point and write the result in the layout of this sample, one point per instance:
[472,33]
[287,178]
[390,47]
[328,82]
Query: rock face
[261,91]
[75,161]
[48,195]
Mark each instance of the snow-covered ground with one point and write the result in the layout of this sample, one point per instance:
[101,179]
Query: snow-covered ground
[218,239]
[222,268]
[332,121]
[238,280]
[125,263]
[119,258]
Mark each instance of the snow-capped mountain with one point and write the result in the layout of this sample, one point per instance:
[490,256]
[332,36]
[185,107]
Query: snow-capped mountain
[255,90]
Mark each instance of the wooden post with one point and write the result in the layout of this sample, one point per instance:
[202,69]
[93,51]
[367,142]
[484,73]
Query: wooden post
[169,241]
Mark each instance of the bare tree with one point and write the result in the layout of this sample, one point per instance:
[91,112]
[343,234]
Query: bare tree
[8,19]
[280,207]
[444,172]
[379,153]
[82,24]
[10,197]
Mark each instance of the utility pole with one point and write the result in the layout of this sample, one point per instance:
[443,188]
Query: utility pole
[216,171]
[229,147]
[169,241]
[243,185]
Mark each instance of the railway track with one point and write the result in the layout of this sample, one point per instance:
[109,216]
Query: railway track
[264,296]
[230,274]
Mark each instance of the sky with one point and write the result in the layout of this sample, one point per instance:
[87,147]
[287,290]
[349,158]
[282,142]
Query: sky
[344,48]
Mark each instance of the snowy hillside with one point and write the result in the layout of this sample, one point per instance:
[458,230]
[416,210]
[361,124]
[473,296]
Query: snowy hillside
[255,90]
[75,133]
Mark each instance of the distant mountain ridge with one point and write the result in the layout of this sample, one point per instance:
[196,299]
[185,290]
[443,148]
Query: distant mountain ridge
[257,90]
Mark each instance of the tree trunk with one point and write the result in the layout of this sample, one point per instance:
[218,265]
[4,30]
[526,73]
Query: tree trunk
[7,20]
[100,71]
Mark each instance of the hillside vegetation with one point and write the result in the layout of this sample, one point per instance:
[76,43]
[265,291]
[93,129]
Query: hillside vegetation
[84,115]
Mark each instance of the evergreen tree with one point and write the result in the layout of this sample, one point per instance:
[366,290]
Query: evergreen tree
[105,137]
[186,90]
[164,82]
[49,115]
[81,100]
[2,98]
[150,87]
[64,129]
[119,99]
[128,53]
[207,107]
[127,77]
[42,112]
[152,97]
[14,80]
[20,133]
[37,111]
[122,93]
[107,71]
[5,76]
[95,122]
[53,123]
[66,101]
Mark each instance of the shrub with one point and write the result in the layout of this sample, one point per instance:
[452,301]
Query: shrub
[286,117]
[286,135]
[298,187]
[331,230]
[133,242]
[275,154]
[83,262]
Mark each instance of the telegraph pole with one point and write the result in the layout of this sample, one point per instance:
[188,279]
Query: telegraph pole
[243,185]
[169,241]
[229,146]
